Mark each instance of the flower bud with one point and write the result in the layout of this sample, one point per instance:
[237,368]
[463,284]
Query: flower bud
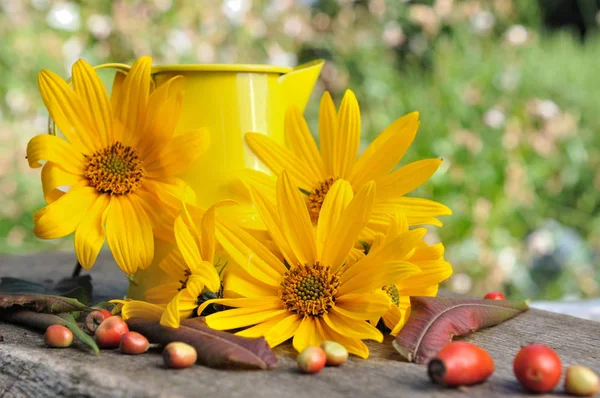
[581,381]
[58,336]
[335,352]
[108,334]
[311,360]
[133,343]
[178,355]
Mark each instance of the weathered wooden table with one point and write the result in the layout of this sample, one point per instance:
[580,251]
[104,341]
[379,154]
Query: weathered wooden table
[27,368]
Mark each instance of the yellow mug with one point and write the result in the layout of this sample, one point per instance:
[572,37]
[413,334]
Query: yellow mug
[227,100]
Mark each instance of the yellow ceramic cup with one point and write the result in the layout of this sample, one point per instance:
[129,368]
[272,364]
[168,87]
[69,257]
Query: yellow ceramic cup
[228,100]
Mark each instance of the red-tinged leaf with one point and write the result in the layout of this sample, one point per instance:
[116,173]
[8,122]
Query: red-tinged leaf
[434,321]
[216,349]
[40,303]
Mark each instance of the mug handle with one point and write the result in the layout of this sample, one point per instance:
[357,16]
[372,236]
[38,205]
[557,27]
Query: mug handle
[120,67]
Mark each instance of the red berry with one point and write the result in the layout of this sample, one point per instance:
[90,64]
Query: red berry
[58,336]
[494,296]
[133,343]
[311,360]
[108,334]
[460,364]
[95,318]
[537,367]
[178,355]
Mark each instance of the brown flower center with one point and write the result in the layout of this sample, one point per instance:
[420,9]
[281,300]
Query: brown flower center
[317,196]
[392,291]
[116,170]
[309,290]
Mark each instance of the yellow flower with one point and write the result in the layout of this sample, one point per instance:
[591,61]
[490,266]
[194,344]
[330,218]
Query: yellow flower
[189,269]
[310,295]
[434,270]
[315,171]
[120,159]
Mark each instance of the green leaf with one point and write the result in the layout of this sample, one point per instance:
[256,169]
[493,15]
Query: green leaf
[435,321]
[42,321]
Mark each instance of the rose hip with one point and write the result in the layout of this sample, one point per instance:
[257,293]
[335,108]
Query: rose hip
[133,343]
[58,336]
[335,353]
[311,360]
[178,355]
[95,318]
[581,381]
[108,334]
[494,296]
[537,367]
[460,364]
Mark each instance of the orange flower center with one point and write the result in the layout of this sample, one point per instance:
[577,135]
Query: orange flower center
[116,170]
[392,291]
[309,290]
[317,196]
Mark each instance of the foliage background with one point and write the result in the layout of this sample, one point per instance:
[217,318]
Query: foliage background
[508,93]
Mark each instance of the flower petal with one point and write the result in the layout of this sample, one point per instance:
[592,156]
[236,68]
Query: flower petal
[261,329]
[432,273]
[337,200]
[362,306]
[54,177]
[89,87]
[62,217]
[67,111]
[406,178]
[250,254]
[115,91]
[342,237]
[56,150]
[241,317]
[309,333]
[162,294]
[171,316]
[187,244]
[174,265]
[141,309]
[354,346]
[178,155]
[386,150]
[278,158]
[161,216]
[411,207]
[129,234]
[295,220]
[283,330]
[352,328]
[262,182]
[302,142]
[238,283]
[327,132]
[132,100]
[268,214]
[89,235]
[208,275]
[347,137]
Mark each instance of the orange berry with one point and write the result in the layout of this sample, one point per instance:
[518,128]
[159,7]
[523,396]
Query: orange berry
[133,343]
[95,318]
[178,355]
[311,360]
[108,334]
[58,336]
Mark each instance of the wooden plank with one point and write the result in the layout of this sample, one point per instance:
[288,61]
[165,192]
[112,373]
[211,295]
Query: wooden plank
[29,369]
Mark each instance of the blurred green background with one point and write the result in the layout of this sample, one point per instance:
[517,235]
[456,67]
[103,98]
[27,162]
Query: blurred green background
[508,90]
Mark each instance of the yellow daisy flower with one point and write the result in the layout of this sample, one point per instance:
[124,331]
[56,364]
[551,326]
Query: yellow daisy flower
[314,171]
[310,295]
[434,270]
[189,269]
[120,159]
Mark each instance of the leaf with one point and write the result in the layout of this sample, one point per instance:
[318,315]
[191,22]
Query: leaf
[79,287]
[40,303]
[434,321]
[216,349]
[42,321]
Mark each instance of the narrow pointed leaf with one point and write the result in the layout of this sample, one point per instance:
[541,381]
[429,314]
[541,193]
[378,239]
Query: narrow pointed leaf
[216,349]
[42,321]
[40,303]
[435,321]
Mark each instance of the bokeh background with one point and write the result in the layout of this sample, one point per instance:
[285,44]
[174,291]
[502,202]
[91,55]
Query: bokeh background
[508,90]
